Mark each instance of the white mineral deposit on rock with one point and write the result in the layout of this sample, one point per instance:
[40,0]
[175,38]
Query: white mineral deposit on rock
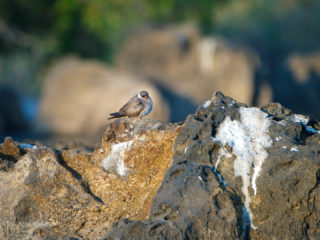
[200,178]
[115,159]
[186,149]
[206,103]
[304,120]
[248,139]
[28,146]
[300,119]
[282,123]
[294,149]
[222,151]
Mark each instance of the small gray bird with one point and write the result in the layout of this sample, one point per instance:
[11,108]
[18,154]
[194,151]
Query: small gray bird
[138,106]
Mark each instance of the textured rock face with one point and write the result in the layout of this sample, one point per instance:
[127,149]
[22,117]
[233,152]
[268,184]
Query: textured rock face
[42,198]
[46,193]
[234,179]
[79,95]
[229,172]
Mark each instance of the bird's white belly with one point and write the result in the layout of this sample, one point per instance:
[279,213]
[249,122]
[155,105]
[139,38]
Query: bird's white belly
[147,109]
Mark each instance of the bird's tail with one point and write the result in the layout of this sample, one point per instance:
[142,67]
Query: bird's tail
[116,115]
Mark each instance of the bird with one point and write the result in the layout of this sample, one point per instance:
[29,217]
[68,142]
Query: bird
[139,105]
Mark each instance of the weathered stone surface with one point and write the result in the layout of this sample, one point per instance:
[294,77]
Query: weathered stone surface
[9,154]
[63,194]
[79,95]
[42,199]
[203,195]
[228,172]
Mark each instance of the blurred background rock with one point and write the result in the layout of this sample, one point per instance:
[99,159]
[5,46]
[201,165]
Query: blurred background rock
[78,96]
[179,50]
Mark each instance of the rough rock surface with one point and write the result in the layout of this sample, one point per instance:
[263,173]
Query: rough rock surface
[79,95]
[229,172]
[201,198]
[45,193]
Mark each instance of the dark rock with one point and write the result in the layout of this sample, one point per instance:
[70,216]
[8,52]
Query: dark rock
[202,197]
[227,172]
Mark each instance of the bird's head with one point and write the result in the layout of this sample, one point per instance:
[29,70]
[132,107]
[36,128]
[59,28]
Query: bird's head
[143,94]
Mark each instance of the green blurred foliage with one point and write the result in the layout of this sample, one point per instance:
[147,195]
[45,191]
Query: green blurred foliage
[28,16]
[95,28]
[36,31]
[33,32]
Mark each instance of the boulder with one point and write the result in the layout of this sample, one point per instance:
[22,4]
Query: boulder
[51,194]
[79,95]
[237,173]
[181,60]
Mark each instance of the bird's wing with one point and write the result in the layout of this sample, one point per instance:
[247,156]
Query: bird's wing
[132,108]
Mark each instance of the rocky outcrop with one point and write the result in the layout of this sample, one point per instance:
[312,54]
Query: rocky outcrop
[79,95]
[228,172]
[237,173]
[45,193]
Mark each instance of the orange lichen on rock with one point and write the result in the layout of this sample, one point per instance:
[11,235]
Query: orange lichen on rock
[60,198]
[50,194]
[146,161]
